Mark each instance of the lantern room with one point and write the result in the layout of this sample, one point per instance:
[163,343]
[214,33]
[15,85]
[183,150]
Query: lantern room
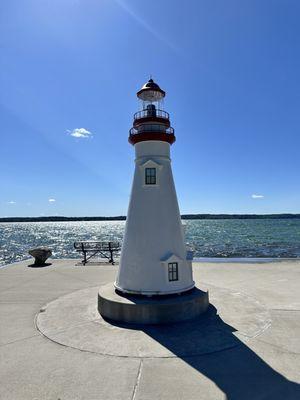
[151,122]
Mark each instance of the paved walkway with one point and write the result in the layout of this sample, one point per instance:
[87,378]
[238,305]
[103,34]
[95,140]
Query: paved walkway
[267,366]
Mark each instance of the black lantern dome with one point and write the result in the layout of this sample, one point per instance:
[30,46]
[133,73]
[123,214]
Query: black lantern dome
[151,92]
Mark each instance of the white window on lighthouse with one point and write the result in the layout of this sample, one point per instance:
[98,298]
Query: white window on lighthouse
[150,176]
[173,271]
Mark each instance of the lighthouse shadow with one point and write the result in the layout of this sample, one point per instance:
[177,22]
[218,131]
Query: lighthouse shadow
[210,346]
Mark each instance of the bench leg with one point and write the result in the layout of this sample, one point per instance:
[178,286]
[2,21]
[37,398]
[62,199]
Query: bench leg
[111,254]
[111,260]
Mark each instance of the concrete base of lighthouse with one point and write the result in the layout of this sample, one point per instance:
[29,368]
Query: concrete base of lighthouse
[135,309]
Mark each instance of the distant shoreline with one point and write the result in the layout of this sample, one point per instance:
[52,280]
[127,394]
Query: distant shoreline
[123,218]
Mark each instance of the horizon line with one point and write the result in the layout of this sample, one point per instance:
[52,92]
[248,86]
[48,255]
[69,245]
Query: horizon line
[58,218]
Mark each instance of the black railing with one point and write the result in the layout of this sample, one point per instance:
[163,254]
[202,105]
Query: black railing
[151,113]
[152,128]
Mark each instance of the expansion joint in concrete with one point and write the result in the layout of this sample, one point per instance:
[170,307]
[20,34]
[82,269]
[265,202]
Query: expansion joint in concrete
[284,309]
[19,340]
[138,377]
[280,348]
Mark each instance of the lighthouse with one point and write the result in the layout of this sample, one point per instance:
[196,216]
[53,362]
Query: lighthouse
[154,258]
[155,266]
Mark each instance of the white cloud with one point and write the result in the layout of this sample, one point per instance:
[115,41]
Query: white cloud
[52,200]
[11,202]
[80,133]
[257,196]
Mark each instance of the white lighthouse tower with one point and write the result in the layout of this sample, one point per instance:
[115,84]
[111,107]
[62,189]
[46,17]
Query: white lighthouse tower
[154,257]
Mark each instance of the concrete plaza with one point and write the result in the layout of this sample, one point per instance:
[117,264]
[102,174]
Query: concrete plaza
[54,346]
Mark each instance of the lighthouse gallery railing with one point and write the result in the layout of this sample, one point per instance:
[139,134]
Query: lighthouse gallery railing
[151,113]
[154,128]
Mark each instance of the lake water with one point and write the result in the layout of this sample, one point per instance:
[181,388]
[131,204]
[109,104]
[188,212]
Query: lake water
[211,238]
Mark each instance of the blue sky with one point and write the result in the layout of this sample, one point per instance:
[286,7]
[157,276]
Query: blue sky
[231,73]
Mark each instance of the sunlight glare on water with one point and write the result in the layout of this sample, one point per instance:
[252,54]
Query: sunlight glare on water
[210,238]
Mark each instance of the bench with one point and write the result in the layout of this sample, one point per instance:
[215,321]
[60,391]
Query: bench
[105,249]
